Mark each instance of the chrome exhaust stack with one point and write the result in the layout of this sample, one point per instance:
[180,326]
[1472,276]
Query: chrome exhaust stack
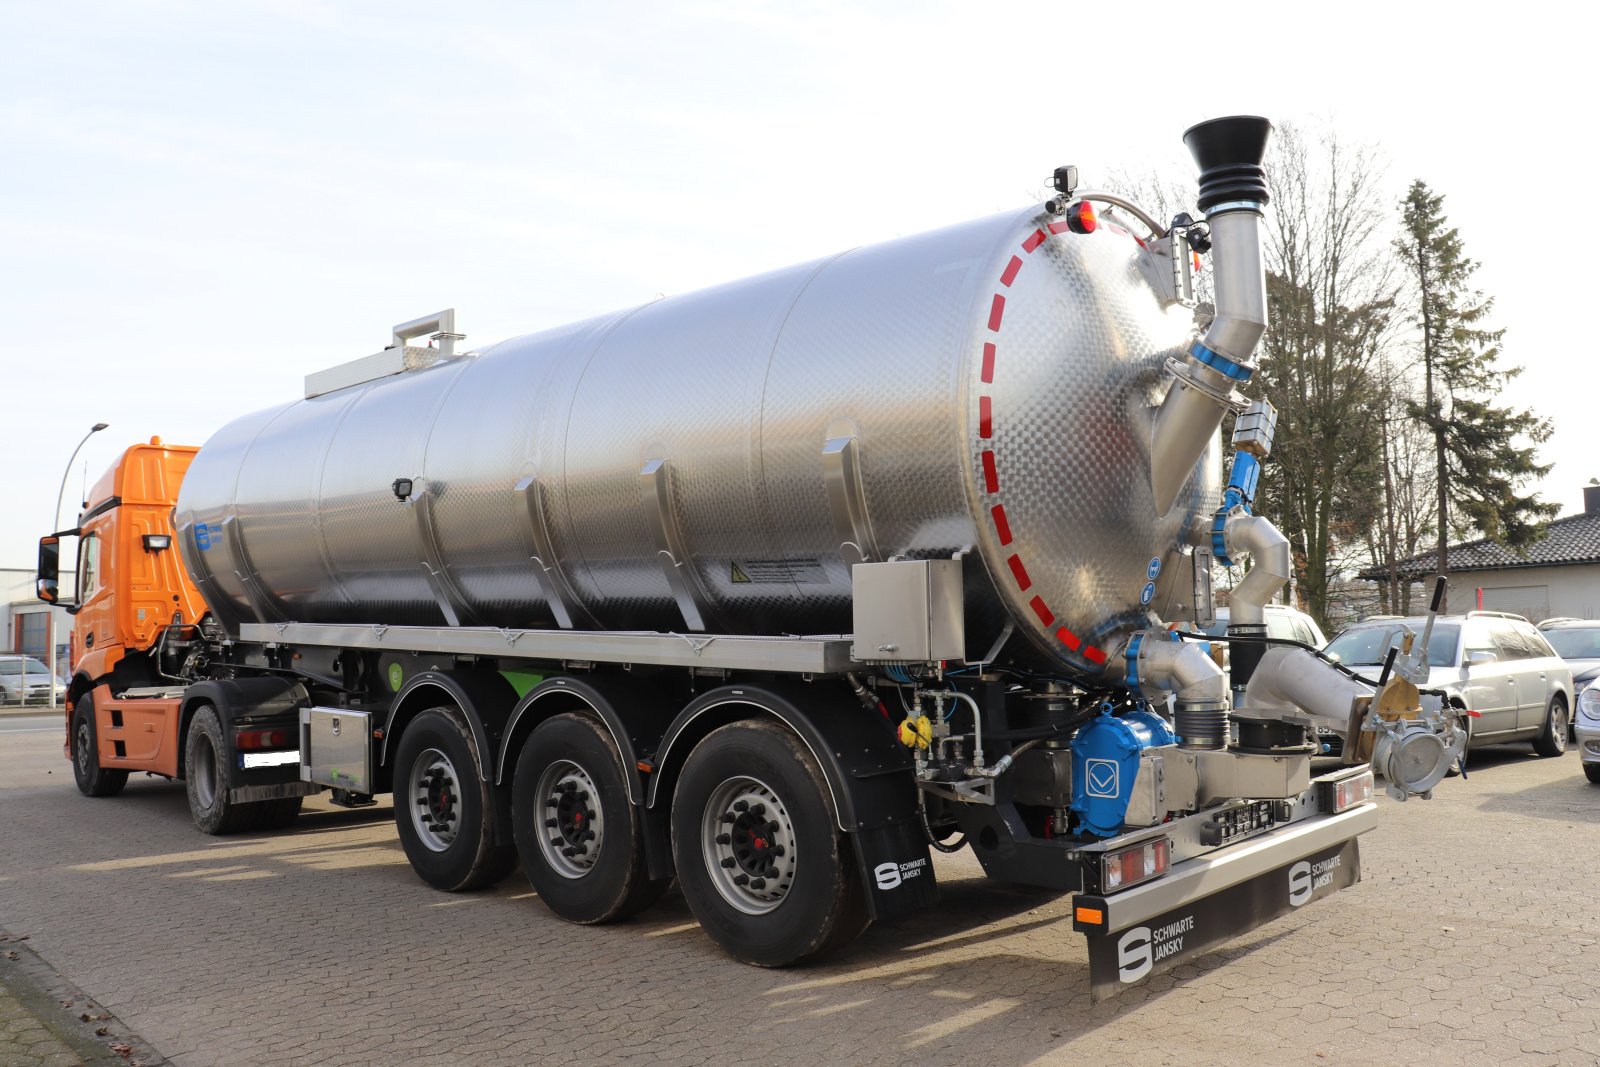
[1233,192]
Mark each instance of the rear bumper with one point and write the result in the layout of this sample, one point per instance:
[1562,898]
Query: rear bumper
[1207,901]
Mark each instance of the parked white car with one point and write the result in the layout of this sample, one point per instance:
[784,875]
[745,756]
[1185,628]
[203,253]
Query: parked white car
[1498,664]
[25,680]
[1283,623]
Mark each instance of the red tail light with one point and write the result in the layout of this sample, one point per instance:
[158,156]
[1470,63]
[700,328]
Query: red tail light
[259,739]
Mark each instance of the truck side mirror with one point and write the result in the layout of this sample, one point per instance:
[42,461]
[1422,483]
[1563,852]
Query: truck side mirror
[47,585]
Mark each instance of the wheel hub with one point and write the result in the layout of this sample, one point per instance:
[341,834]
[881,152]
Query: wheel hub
[435,813]
[574,823]
[748,841]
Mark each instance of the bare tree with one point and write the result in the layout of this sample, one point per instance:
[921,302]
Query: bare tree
[1331,294]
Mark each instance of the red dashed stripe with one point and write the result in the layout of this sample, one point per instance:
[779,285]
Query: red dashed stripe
[997,308]
[991,473]
[1001,526]
[1020,572]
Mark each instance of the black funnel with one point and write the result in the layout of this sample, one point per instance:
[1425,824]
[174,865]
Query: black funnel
[1228,152]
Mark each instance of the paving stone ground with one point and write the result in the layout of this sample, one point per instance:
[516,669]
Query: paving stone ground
[1470,941]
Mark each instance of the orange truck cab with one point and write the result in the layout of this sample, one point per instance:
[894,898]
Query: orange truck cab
[134,605]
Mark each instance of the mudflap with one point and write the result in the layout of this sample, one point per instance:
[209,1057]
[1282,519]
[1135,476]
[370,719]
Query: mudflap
[896,869]
[1122,958]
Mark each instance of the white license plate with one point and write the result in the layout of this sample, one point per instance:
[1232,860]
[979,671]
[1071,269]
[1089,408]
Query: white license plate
[252,760]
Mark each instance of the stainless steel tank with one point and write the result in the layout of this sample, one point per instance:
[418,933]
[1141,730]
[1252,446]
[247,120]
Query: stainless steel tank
[716,461]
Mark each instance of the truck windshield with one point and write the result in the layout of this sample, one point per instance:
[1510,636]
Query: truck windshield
[1368,645]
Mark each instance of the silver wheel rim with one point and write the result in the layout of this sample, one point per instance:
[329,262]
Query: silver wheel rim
[205,771]
[748,841]
[1558,725]
[574,823]
[435,800]
[83,748]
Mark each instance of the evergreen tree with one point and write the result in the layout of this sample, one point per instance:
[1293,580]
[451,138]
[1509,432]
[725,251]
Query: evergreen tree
[1479,458]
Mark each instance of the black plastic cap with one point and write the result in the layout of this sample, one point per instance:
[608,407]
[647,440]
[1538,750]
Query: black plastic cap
[1229,152]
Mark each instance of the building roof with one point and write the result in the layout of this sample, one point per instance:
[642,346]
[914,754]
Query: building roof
[1570,541]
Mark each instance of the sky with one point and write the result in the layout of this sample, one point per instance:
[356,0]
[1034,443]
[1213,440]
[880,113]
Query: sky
[200,203]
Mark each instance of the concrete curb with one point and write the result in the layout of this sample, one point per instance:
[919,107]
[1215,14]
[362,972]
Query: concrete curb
[83,1025]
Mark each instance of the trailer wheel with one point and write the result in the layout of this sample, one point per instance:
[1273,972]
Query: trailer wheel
[578,832]
[442,805]
[205,757]
[759,854]
[93,781]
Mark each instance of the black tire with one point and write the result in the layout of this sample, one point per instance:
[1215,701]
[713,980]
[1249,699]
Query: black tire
[815,904]
[1552,740]
[1591,771]
[442,805]
[206,753]
[589,867]
[92,779]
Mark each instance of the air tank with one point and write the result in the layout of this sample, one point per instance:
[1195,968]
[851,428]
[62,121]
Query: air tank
[717,461]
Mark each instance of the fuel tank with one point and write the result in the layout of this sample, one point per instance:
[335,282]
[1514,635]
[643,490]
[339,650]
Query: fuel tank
[717,461]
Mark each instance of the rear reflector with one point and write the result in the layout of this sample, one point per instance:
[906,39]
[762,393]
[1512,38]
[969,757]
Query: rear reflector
[1088,916]
[1137,863]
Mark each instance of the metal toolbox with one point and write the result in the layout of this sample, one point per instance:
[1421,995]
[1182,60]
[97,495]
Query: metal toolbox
[336,748]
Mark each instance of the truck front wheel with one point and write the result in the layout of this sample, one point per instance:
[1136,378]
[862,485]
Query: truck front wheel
[578,832]
[93,781]
[442,805]
[760,857]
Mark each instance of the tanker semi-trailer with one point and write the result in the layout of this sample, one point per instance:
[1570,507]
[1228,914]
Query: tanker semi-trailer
[772,588]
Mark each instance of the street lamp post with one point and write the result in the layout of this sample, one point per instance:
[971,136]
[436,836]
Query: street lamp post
[61,496]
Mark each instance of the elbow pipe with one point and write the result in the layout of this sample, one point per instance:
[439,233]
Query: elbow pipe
[1200,688]
[1233,192]
[1257,537]
[1292,678]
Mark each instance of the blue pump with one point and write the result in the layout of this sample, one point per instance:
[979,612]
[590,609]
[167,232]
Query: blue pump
[1105,761]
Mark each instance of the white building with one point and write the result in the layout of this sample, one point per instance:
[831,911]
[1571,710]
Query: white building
[1556,576]
[26,618]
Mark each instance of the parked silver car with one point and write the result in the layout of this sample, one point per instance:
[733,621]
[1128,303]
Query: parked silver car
[1283,623]
[1578,642]
[25,680]
[1588,730]
[1498,664]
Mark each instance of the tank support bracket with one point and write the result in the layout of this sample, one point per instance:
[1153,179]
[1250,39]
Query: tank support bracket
[655,486]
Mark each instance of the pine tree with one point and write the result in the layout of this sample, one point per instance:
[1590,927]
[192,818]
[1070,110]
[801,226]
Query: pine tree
[1480,461]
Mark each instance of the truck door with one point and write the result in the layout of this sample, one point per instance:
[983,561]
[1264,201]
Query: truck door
[1491,690]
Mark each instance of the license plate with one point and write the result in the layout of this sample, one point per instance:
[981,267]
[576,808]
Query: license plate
[1121,959]
[252,760]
